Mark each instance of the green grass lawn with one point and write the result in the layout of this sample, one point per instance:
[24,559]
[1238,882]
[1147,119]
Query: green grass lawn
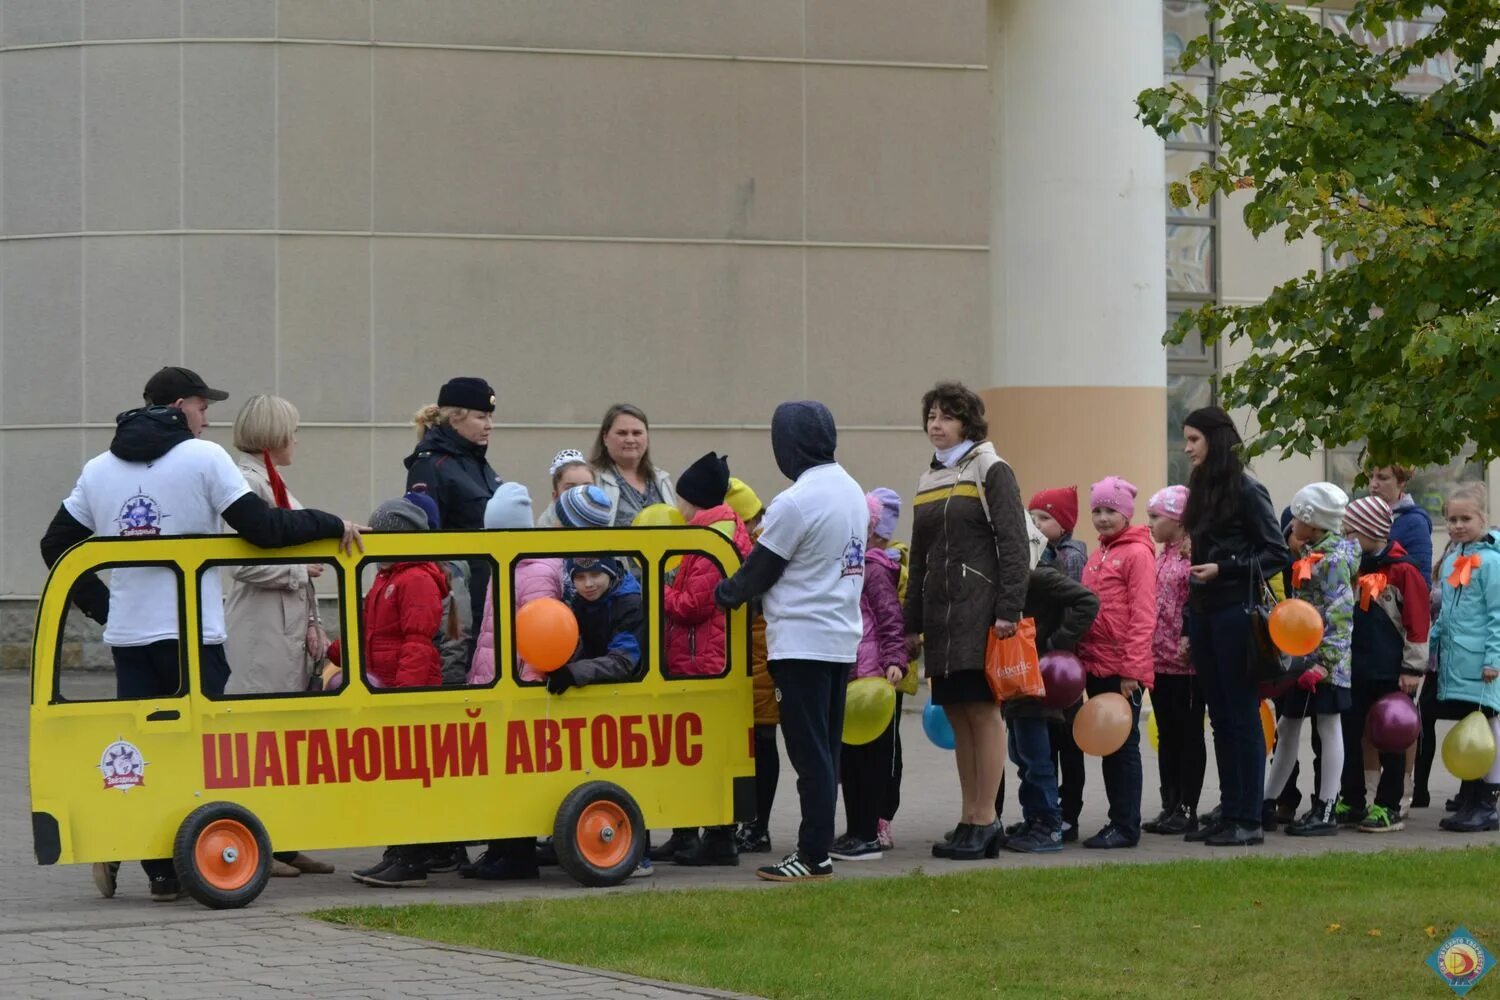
[1340,925]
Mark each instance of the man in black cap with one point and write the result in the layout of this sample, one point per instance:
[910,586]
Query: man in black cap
[159,478]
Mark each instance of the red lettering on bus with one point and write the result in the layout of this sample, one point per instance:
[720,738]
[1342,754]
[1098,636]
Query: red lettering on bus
[474,749]
[517,748]
[689,727]
[320,758]
[574,728]
[230,766]
[604,739]
[632,744]
[444,750]
[267,760]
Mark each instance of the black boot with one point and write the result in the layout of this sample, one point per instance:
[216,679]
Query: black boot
[1183,820]
[683,839]
[716,847]
[1269,819]
[1316,822]
[944,847]
[977,842]
[1479,815]
[1170,800]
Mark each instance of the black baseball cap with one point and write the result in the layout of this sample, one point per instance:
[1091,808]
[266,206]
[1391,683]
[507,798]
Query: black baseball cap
[173,383]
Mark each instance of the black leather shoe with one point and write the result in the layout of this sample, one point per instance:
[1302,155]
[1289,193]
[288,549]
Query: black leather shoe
[1270,816]
[1205,830]
[682,841]
[944,847]
[1156,825]
[1235,835]
[1184,820]
[978,842]
[1109,839]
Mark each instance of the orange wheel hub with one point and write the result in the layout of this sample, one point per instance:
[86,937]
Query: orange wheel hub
[227,855]
[605,838]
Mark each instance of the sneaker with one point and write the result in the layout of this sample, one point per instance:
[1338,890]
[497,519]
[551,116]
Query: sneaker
[853,849]
[468,870]
[793,869]
[1382,820]
[1111,838]
[107,878]
[447,858]
[1346,815]
[165,890]
[883,836]
[681,841]
[507,870]
[644,869]
[753,841]
[399,875]
[1036,839]
[385,862]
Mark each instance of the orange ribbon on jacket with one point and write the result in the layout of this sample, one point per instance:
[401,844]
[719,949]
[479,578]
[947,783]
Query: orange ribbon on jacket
[1302,569]
[1371,586]
[1463,571]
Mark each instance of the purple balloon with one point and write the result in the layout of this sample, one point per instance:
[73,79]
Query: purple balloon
[1393,724]
[1064,677]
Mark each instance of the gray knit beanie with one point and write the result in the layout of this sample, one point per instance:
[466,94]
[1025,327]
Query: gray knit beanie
[399,514]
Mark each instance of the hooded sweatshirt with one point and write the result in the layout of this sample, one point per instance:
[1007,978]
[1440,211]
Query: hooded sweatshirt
[1468,627]
[1122,571]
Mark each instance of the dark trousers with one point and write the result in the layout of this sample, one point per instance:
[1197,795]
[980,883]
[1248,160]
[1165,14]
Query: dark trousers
[1182,756]
[1030,746]
[1365,692]
[810,694]
[1122,769]
[892,801]
[767,774]
[1220,642]
[155,671]
[1432,711]
[866,772]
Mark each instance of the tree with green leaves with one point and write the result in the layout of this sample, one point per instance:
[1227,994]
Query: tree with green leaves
[1399,345]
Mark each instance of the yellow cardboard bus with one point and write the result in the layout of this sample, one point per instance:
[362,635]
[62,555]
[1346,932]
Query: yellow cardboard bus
[215,783]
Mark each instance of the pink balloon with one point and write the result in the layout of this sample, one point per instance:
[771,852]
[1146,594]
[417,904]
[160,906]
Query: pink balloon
[1393,723]
[1064,677]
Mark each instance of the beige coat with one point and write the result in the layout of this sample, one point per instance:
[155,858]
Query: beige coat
[267,613]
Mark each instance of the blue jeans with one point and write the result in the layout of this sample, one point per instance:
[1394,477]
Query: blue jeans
[1030,746]
[1220,641]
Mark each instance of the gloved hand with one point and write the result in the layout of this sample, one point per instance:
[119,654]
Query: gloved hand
[1308,680]
[560,680]
[723,598]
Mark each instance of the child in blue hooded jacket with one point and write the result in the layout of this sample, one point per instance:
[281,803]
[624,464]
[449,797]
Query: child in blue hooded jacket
[1467,633]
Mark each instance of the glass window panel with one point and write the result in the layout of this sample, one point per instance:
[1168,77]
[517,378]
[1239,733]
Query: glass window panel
[1190,259]
[1191,348]
[1181,163]
[1185,393]
[1428,486]
[1181,23]
[1198,87]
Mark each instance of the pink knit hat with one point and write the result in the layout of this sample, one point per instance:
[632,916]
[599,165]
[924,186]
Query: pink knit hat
[1114,493]
[1169,503]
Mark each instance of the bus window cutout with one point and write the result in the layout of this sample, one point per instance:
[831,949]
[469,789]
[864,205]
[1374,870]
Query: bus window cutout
[402,601]
[182,774]
[696,633]
[610,609]
[282,618]
[145,659]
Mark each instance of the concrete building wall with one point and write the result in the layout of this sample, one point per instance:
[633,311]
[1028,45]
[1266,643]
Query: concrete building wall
[700,208]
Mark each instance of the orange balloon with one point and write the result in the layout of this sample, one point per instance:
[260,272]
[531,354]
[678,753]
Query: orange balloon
[546,633]
[1103,724]
[1268,726]
[1296,627]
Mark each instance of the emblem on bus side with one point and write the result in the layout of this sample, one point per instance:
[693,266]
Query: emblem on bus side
[123,766]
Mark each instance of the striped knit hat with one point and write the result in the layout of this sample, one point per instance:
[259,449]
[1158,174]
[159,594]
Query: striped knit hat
[1369,516]
[583,507]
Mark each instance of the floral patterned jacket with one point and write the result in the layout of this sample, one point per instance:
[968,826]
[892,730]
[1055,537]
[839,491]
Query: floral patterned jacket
[1168,646]
[1325,578]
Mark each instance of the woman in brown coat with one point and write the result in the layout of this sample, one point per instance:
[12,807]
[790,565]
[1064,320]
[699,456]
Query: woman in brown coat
[970,559]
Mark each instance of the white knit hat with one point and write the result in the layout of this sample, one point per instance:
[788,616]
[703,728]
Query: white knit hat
[1321,505]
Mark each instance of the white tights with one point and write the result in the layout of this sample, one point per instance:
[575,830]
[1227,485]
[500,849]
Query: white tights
[1330,757]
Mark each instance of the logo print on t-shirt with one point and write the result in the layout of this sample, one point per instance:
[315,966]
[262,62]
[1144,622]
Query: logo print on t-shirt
[854,558]
[140,517]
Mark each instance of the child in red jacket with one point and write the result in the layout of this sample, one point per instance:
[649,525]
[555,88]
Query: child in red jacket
[1117,650]
[696,629]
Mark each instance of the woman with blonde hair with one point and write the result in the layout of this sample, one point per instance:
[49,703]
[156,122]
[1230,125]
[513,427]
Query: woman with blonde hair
[276,638]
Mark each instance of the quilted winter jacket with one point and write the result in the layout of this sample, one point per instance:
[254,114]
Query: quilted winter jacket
[403,612]
[695,626]
[1331,590]
[964,573]
[1122,571]
[534,578]
[884,640]
[1167,647]
[1468,627]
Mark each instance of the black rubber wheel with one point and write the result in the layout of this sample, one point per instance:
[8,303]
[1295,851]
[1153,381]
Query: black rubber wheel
[222,855]
[599,835]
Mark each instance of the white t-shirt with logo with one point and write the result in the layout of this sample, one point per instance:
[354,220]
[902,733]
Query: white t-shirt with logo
[819,527]
[185,492]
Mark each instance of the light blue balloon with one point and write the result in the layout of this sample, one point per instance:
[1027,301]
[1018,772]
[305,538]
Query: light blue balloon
[935,724]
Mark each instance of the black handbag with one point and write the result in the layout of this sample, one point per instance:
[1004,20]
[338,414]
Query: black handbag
[1265,664]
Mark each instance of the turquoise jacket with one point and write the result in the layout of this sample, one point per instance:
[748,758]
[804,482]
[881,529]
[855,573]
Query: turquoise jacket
[1468,626]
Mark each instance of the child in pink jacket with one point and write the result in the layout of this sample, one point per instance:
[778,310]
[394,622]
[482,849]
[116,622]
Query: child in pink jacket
[1117,650]
[510,509]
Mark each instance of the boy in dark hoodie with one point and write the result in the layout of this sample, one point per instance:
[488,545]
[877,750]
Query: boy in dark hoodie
[159,479]
[1064,610]
[1389,653]
[606,600]
[809,563]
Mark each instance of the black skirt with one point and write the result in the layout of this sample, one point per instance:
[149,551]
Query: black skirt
[1326,700]
[962,688]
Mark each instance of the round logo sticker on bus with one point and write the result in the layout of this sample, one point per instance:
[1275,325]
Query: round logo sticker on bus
[123,766]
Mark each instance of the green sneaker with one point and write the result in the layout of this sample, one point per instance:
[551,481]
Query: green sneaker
[1382,820]
[1346,815]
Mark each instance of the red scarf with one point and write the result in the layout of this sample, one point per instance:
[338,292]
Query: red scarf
[278,488]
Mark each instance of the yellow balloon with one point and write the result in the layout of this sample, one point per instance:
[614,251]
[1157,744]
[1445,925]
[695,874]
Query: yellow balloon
[1469,748]
[659,515]
[1151,732]
[868,707]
